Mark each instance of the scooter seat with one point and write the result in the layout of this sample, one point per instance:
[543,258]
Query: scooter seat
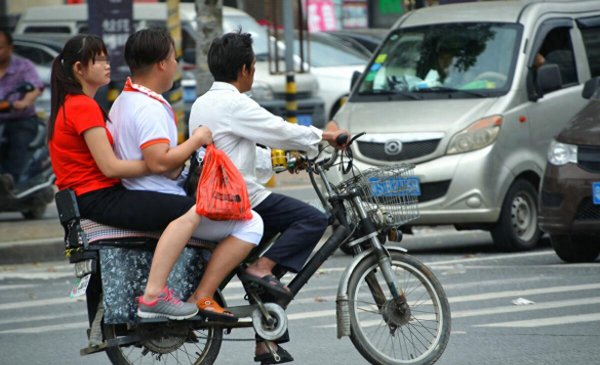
[101,234]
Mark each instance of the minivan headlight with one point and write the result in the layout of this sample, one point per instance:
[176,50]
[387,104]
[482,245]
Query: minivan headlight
[480,134]
[261,91]
[562,153]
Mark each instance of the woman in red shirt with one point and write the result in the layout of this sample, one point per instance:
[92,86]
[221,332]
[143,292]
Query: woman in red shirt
[81,146]
[83,160]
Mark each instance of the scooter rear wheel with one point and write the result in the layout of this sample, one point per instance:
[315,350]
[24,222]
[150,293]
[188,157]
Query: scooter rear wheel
[167,345]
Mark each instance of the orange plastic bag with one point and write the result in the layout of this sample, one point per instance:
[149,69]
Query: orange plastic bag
[222,193]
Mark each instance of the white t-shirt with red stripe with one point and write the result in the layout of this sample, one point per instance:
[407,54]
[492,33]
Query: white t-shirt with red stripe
[140,118]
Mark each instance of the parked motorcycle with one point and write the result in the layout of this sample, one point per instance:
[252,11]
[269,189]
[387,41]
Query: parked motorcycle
[391,305]
[33,195]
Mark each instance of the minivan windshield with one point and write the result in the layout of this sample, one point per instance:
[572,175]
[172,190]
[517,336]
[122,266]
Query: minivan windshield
[444,60]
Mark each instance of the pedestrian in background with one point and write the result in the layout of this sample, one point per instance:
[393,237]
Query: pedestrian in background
[20,123]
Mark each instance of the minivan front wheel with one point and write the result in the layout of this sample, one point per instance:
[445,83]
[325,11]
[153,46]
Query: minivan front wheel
[578,248]
[517,228]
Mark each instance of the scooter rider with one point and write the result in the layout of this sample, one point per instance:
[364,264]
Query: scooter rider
[238,124]
[20,124]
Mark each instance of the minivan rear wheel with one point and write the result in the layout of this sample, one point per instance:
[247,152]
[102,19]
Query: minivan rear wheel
[517,228]
[578,248]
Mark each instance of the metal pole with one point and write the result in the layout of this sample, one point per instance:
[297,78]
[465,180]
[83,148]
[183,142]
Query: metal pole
[290,90]
[288,26]
[291,105]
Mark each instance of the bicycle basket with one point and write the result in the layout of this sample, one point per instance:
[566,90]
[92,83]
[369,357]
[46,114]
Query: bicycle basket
[389,194]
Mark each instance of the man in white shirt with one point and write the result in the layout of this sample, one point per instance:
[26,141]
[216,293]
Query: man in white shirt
[238,123]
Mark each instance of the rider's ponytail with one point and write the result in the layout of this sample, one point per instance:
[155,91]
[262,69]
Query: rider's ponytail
[81,48]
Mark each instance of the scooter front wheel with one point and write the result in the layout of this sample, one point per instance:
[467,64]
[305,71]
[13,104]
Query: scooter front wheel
[412,330]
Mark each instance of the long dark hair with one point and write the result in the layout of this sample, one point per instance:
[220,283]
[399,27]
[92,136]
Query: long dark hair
[81,48]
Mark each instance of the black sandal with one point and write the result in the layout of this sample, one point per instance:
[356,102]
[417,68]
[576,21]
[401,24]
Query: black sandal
[268,358]
[270,283]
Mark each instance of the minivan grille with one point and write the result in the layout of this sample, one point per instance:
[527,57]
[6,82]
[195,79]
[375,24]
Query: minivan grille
[588,211]
[410,150]
[588,158]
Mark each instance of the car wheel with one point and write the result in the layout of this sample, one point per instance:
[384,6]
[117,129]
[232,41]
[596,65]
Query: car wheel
[517,228]
[576,248]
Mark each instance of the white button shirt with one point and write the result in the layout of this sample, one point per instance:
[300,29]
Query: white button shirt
[238,123]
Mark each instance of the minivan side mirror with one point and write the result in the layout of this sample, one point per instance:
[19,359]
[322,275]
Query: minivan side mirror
[590,87]
[355,77]
[189,55]
[548,79]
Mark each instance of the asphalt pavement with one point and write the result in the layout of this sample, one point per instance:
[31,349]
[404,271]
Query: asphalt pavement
[30,241]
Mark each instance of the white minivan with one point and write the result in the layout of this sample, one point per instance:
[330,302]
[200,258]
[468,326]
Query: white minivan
[472,94]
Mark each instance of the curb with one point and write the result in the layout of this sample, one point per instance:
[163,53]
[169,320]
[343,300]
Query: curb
[28,251]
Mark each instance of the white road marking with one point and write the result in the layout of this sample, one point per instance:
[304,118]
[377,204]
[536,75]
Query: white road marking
[43,318]
[18,286]
[39,303]
[35,275]
[522,293]
[525,308]
[542,322]
[51,328]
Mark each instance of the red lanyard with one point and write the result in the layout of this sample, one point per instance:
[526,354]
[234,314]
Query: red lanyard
[130,86]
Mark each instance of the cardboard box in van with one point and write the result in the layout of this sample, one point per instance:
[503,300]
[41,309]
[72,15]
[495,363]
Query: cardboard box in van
[268,90]
[472,94]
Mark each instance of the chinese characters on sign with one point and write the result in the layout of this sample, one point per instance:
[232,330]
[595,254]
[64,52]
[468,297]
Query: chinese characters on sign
[112,20]
[320,15]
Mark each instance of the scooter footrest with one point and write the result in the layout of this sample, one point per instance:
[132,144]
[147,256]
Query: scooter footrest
[93,349]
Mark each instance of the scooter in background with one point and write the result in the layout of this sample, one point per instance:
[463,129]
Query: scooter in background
[32,196]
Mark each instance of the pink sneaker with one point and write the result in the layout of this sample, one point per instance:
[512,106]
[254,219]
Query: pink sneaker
[166,305]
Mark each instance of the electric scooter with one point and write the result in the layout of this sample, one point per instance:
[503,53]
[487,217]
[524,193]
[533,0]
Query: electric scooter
[32,196]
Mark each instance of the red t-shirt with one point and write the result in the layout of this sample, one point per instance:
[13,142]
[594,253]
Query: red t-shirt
[72,161]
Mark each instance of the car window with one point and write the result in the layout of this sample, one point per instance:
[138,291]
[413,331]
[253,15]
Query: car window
[442,58]
[558,49]
[47,29]
[591,41]
[326,53]
[34,54]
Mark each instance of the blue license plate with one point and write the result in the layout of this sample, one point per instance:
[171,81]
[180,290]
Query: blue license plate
[398,186]
[305,119]
[189,94]
[596,192]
